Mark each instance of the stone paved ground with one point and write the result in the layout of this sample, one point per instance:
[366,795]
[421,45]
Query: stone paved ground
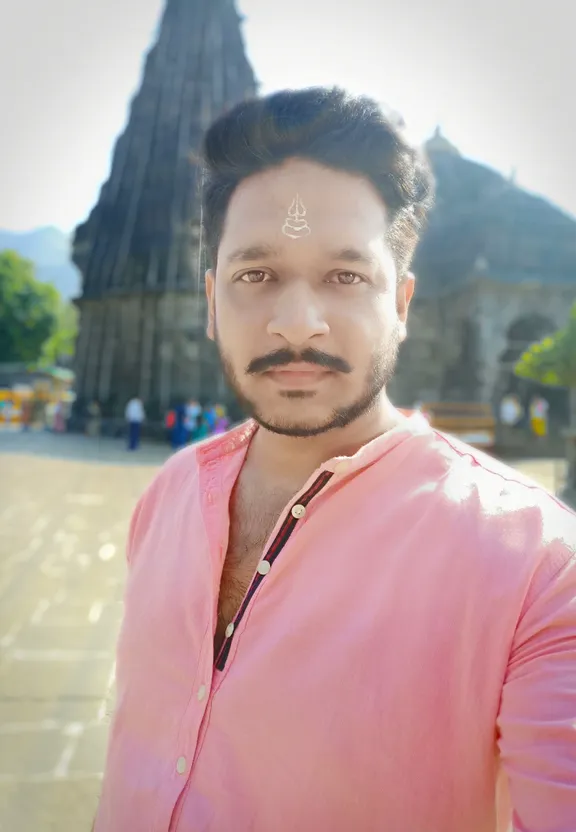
[65,503]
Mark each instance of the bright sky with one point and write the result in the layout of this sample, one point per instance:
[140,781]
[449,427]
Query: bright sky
[497,75]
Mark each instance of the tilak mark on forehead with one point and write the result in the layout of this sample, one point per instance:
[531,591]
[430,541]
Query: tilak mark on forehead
[296,225]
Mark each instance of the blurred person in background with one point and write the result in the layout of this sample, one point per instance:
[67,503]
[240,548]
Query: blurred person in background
[539,408]
[222,422]
[135,416]
[94,421]
[511,411]
[27,408]
[179,434]
[209,415]
[193,415]
[59,422]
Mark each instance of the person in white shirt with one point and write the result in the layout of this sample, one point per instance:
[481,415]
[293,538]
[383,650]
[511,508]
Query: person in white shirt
[510,410]
[134,415]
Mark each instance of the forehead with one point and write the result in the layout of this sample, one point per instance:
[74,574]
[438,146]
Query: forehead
[340,208]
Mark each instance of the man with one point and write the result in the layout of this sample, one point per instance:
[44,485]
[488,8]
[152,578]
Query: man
[336,618]
[134,415]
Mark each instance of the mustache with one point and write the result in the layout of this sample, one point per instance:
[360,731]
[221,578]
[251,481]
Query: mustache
[280,358]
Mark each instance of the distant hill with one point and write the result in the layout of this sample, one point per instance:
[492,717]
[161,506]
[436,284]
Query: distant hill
[49,250]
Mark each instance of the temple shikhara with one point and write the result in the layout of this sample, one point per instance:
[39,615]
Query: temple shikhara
[142,313]
[496,268]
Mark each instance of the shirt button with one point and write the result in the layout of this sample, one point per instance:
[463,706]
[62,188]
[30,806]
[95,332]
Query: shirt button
[229,630]
[298,511]
[264,567]
[201,693]
[181,765]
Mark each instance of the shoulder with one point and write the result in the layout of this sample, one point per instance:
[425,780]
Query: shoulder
[499,488]
[178,483]
[177,474]
[505,517]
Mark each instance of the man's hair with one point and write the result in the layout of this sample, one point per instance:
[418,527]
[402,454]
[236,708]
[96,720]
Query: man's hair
[327,126]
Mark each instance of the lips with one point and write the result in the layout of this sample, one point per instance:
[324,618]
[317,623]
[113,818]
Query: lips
[298,375]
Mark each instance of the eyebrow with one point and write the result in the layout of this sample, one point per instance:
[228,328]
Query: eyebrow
[353,255]
[248,254]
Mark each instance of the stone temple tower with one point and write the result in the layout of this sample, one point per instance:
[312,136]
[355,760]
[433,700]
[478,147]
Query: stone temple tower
[142,310]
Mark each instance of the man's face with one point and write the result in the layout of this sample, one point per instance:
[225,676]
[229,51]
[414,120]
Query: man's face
[305,305]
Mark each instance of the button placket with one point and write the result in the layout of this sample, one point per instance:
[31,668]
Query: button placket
[296,513]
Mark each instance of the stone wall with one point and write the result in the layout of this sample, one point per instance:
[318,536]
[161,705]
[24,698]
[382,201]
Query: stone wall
[437,361]
[456,343]
[151,345]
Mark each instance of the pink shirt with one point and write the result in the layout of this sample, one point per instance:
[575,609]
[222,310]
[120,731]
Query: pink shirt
[405,659]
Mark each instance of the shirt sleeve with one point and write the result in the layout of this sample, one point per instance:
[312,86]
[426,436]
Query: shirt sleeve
[133,530]
[537,719]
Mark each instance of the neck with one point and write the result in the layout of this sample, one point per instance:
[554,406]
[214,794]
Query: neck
[291,460]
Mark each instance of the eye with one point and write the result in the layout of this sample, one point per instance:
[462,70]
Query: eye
[254,276]
[346,278]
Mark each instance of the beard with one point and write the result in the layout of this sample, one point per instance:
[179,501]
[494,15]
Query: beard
[381,371]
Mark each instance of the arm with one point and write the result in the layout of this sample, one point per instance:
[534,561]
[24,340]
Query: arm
[132,532]
[537,720]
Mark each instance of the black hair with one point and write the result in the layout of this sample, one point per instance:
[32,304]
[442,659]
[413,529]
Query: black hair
[327,126]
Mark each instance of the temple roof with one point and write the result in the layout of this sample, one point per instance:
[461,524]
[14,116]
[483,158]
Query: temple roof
[438,143]
[484,227]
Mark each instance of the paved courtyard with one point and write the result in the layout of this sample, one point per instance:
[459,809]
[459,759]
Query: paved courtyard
[65,503]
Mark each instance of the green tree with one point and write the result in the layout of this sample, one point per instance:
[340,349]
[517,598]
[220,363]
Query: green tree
[28,310]
[553,362]
[61,344]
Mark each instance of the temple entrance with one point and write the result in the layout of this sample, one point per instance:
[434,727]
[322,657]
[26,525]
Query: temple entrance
[521,334]
[460,382]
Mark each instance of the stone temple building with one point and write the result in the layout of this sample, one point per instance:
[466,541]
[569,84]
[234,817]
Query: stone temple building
[496,271]
[496,268]
[142,316]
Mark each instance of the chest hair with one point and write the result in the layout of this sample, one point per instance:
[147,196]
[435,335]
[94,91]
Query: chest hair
[252,519]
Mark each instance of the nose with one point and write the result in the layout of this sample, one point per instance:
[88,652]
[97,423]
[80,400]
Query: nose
[298,315]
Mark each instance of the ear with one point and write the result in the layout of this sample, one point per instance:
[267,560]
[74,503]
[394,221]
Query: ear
[210,277]
[404,294]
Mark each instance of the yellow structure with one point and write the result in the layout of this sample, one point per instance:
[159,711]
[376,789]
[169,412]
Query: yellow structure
[42,391]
